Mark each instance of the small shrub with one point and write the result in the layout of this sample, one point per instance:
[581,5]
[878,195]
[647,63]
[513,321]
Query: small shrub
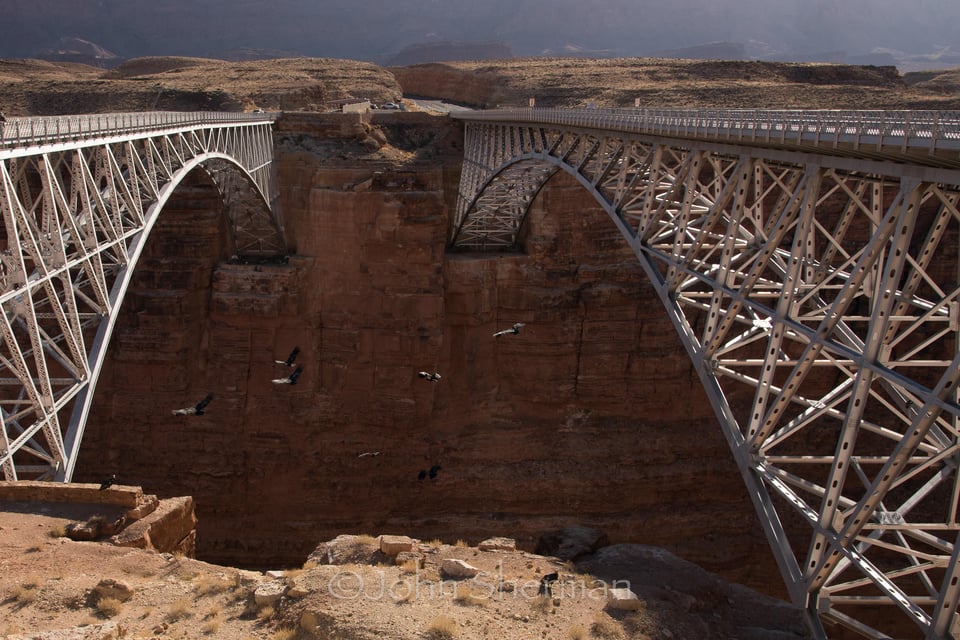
[180,608]
[442,628]
[542,604]
[25,594]
[213,611]
[89,620]
[207,584]
[577,632]
[309,622]
[638,623]
[310,564]
[461,543]
[265,613]
[410,566]
[284,633]
[605,627]
[470,596]
[212,625]
[436,542]
[366,538]
[109,607]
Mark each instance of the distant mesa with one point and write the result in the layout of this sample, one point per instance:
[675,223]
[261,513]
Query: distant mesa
[448,51]
[708,51]
[245,55]
[81,51]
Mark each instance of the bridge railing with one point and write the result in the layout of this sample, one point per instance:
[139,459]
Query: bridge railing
[32,131]
[887,130]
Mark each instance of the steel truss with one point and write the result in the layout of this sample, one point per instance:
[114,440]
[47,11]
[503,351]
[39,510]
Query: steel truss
[77,209]
[817,294]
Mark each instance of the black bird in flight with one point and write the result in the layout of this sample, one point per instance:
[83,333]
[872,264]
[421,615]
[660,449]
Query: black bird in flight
[432,377]
[433,471]
[292,378]
[290,358]
[515,329]
[196,410]
[109,482]
[422,475]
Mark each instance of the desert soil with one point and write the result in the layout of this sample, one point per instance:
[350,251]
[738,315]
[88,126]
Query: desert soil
[349,589]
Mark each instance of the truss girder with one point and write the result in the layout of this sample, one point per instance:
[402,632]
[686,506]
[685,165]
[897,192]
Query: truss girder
[820,301]
[74,222]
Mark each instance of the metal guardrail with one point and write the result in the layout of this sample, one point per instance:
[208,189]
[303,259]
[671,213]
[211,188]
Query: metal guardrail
[928,131]
[32,131]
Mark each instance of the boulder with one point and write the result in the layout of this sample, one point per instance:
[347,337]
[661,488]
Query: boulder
[571,542]
[345,549]
[623,600]
[269,593]
[110,588]
[408,556]
[498,544]
[453,568]
[392,545]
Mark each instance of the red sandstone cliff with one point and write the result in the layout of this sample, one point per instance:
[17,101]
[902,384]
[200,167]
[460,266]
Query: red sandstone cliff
[591,415]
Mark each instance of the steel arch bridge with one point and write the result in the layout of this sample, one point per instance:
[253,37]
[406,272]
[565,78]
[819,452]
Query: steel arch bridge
[79,196]
[809,262]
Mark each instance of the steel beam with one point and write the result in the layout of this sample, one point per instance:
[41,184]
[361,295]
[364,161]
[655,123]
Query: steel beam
[78,197]
[820,276]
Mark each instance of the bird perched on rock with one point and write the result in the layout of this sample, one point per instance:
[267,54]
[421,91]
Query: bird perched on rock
[432,377]
[512,330]
[289,361]
[196,410]
[546,583]
[109,482]
[292,378]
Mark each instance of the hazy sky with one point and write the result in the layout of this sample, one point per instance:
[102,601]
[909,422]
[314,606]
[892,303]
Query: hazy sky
[377,28]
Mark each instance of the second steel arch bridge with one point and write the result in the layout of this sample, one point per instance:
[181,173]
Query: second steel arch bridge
[809,262]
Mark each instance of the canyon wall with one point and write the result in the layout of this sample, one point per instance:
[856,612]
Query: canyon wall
[591,415]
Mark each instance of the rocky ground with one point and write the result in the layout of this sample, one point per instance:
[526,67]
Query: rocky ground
[671,83]
[37,87]
[363,587]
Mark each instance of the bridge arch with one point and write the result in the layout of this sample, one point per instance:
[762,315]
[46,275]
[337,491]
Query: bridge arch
[79,196]
[816,297]
[232,180]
